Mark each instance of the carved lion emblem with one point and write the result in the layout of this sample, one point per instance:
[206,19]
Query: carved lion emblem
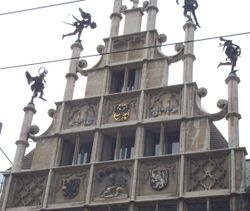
[159,179]
[121,112]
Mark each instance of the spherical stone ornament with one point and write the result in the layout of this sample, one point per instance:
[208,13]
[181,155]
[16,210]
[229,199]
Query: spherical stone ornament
[82,63]
[51,112]
[162,38]
[202,92]
[222,103]
[34,129]
[100,49]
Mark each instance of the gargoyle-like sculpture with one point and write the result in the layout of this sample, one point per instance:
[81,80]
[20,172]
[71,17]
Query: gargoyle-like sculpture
[189,8]
[135,3]
[38,83]
[232,52]
[81,24]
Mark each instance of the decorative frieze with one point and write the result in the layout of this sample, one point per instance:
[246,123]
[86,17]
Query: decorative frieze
[163,103]
[158,177]
[27,190]
[207,172]
[82,114]
[68,186]
[112,183]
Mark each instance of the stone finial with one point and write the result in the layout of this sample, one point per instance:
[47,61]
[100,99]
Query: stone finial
[222,103]
[100,49]
[202,92]
[135,3]
[162,38]
[51,112]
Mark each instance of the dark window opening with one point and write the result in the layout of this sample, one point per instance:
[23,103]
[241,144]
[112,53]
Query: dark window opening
[197,207]
[117,81]
[131,80]
[108,148]
[127,147]
[84,153]
[67,153]
[219,206]
[172,142]
[152,144]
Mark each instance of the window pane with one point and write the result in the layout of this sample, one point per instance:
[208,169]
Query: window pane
[117,81]
[127,147]
[131,80]
[197,207]
[146,208]
[119,209]
[84,152]
[219,206]
[152,145]
[171,207]
[172,142]
[67,153]
[108,148]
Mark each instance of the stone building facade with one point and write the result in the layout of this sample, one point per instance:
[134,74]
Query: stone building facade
[134,143]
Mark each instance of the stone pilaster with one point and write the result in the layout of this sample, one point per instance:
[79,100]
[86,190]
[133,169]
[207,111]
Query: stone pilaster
[152,10]
[188,57]
[116,18]
[133,20]
[71,75]
[22,143]
[233,116]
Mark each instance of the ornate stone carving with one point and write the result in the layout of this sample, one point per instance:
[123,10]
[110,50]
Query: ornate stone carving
[100,49]
[121,112]
[70,188]
[208,173]
[51,112]
[113,183]
[158,176]
[164,104]
[82,115]
[29,190]
[222,103]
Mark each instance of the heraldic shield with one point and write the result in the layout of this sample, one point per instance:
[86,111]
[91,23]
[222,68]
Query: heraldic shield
[71,188]
[159,179]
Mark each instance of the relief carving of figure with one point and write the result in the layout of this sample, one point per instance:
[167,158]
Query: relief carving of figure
[117,186]
[159,179]
[82,115]
[163,104]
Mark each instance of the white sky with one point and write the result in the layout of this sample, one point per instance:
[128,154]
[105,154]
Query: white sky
[36,36]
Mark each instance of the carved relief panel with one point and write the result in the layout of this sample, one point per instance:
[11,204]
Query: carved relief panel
[158,176]
[81,114]
[112,182]
[69,185]
[207,172]
[27,190]
[126,43]
[120,108]
[163,103]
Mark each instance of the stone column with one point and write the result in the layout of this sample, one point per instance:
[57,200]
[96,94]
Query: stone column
[233,116]
[152,10]
[22,143]
[188,57]
[71,75]
[116,18]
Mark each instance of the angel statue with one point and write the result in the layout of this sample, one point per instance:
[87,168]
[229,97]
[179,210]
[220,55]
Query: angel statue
[189,9]
[232,52]
[38,83]
[80,24]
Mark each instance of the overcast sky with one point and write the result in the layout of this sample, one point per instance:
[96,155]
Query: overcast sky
[35,36]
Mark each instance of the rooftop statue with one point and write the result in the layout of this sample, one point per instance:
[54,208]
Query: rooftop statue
[189,9]
[232,52]
[81,24]
[38,83]
[135,3]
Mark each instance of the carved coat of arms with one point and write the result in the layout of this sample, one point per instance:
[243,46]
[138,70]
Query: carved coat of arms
[121,112]
[71,188]
[159,179]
